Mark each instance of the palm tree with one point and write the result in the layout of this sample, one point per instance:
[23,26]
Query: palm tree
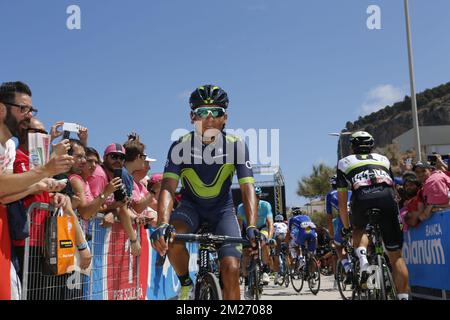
[317,184]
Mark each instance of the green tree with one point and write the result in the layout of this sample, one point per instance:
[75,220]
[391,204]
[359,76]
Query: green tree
[317,184]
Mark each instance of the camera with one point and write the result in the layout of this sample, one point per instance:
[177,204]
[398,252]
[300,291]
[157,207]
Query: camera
[121,194]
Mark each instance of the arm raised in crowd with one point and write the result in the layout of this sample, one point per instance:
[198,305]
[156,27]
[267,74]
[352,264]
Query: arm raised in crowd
[17,183]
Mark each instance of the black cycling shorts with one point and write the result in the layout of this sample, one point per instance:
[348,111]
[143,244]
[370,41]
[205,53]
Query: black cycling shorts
[382,198]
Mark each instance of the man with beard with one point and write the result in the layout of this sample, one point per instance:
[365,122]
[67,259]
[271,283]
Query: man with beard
[16,110]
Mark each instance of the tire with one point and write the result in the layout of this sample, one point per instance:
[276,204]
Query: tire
[254,280]
[358,293]
[344,289]
[208,288]
[282,270]
[297,275]
[287,276]
[389,285]
[382,293]
[314,275]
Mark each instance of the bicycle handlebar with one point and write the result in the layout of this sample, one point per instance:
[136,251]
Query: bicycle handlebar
[208,238]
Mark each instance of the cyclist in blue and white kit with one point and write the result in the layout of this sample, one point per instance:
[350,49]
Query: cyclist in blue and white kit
[264,223]
[302,232]
[335,226]
[281,230]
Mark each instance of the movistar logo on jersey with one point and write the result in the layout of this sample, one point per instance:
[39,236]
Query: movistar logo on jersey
[203,190]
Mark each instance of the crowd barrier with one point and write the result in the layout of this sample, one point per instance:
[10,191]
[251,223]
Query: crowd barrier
[426,250]
[114,274]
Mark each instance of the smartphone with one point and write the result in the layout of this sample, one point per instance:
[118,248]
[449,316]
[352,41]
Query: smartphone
[66,135]
[118,173]
[119,195]
[71,127]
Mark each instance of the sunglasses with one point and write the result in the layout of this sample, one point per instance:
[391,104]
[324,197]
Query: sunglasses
[204,112]
[117,156]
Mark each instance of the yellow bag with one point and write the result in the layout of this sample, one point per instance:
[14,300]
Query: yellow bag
[59,244]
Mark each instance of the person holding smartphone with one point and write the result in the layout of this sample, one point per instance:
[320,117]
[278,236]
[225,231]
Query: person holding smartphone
[114,160]
[88,205]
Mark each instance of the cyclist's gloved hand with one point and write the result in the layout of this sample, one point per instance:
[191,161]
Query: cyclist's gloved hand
[252,233]
[159,232]
[272,242]
[345,232]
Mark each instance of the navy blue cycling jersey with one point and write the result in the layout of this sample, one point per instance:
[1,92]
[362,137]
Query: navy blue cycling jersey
[207,171]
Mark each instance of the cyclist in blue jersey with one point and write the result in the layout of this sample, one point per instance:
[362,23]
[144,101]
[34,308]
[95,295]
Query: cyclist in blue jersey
[332,205]
[302,232]
[205,161]
[264,223]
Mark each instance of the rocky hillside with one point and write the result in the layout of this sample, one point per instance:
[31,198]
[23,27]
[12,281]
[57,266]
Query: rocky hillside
[386,124]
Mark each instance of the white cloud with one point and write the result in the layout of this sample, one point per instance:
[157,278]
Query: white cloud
[381,96]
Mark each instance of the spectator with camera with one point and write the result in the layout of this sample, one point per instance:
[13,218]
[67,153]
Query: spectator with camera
[116,204]
[88,205]
[58,200]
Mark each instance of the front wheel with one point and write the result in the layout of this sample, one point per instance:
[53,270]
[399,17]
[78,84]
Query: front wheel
[254,281]
[297,276]
[208,288]
[314,276]
[344,289]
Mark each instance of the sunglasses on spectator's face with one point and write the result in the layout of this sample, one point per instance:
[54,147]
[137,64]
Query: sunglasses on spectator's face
[35,130]
[143,156]
[117,156]
[204,112]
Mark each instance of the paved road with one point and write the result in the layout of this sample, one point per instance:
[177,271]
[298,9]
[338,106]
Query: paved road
[272,292]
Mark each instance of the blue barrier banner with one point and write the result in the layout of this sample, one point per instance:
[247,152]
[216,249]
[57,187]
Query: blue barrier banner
[426,250]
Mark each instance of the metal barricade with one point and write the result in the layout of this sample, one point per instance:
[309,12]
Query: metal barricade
[112,275]
[115,272]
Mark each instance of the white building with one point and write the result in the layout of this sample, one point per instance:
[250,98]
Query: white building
[432,139]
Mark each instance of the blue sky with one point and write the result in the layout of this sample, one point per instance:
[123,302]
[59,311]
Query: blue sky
[304,67]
